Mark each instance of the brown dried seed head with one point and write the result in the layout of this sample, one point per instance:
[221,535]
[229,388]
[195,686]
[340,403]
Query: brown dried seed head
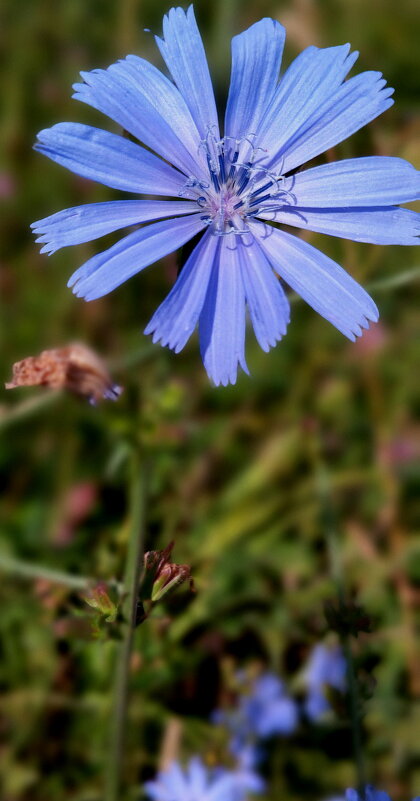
[73,367]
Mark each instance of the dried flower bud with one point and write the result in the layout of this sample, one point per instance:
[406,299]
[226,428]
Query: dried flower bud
[99,600]
[170,577]
[161,575]
[73,367]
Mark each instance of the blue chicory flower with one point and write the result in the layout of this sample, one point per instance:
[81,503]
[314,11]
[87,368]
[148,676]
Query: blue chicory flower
[326,668]
[231,186]
[269,710]
[197,783]
[264,711]
[370,794]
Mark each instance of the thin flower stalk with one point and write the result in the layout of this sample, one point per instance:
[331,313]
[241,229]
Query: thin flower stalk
[133,571]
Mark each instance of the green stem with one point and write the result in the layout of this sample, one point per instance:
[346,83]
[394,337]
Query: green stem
[133,569]
[28,407]
[337,574]
[32,571]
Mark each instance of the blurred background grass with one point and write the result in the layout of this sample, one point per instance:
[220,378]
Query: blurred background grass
[237,472]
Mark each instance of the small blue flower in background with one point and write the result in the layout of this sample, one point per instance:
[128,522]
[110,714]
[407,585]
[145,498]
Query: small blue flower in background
[198,783]
[370,794]
[326,668]
[265,710]
[268,710]
[230,186]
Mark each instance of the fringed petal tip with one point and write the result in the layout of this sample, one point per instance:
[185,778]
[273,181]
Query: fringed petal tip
[48,249]
[166,339]
[80,224]
[268,306]
[321,282]
[360,327]
[183,52]
[142,100]
[177,316]
[256,59]
[222,320]
[42,238]
[109,159]
[222,379]
[209,290]
[107,270]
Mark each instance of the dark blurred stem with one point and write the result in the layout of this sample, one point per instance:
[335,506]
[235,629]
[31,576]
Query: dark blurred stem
[330,528]
[133,570]
[355,716]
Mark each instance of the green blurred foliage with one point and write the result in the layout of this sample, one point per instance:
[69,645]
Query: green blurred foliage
[238,477]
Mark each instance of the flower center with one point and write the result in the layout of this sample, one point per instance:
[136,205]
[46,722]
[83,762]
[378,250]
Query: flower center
[239,186]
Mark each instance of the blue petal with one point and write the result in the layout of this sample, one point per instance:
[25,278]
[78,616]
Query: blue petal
[249,782]
[174,321]
[256,59]
[370,181]
[156,792]
[352,795]
[222,320]
[381,226]
[268,305]
[224,788]
[174,781]
[371,794]
[107,270]
[326,666]
[318,280]
[267,688]
[183,51]
[316,705]
[279,717]
[84,223]
[170,785]
[355,103]
[108,159]
[307,83]
[197,775]
[137,96]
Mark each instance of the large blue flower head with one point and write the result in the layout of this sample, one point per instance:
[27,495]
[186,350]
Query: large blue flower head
[197,783]
[231,187]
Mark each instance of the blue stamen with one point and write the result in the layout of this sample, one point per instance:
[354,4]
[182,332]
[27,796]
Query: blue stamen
[261,189]
[222,169]
[234,160]
[213,175]
[245,178]
[258,200]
